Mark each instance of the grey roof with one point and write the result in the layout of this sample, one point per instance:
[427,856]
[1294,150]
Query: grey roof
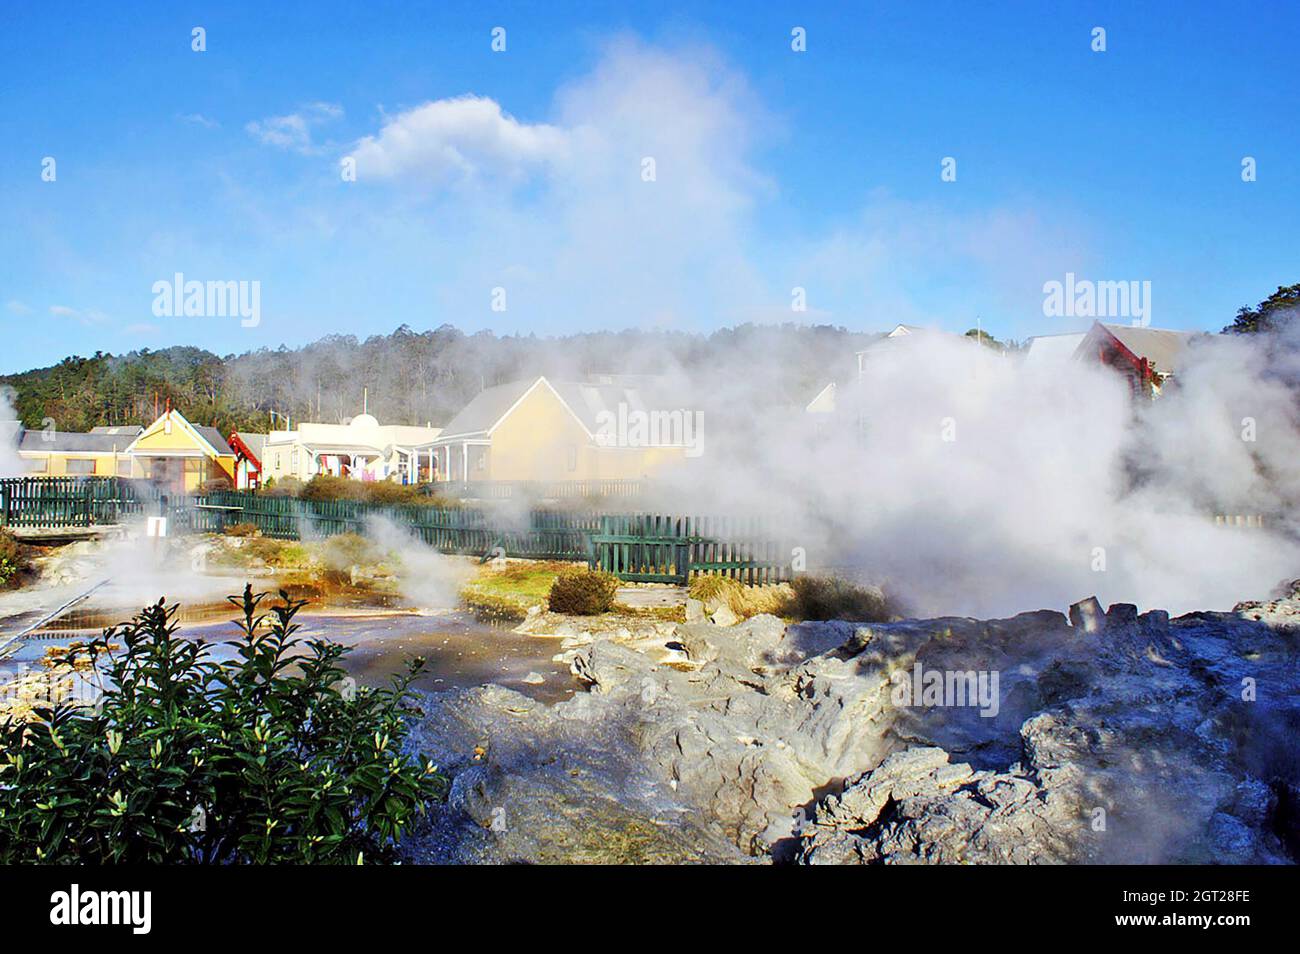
[215,438]
[254,442]
[130,431]
[1161,346]
[586,401]
[485,409]
[73,442]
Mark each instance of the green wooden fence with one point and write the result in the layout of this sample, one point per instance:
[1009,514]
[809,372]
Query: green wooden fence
[70,501]
[660,548]
[538,534]
[636,546]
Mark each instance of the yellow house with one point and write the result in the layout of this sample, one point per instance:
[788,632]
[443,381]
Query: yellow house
[100,453]
[181,456]
[538,430]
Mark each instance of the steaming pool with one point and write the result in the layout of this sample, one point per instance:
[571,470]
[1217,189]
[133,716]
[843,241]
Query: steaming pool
[460,651]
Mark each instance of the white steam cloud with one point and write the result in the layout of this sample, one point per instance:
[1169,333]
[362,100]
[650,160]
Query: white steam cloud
[11,465]
[976,484]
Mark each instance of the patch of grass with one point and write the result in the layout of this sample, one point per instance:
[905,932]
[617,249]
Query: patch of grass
[506,593]
[829,597]
[745,601]
[242,530]
[664,614]
[493,607]
[281,554]
[583,592]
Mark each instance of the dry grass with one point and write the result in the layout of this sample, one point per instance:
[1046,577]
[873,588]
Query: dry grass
[745,601]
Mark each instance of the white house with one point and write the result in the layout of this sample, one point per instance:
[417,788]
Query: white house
[362,449]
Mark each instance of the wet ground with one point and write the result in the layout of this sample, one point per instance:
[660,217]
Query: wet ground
[460,651]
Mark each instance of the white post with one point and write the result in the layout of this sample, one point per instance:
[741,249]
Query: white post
[464,460]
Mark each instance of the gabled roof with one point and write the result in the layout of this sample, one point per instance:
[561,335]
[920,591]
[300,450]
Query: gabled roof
[248,443]
[130,431]
[1163,347]
[213,437]
[585,401]
[481,416]
[208,438]
[72,442]
[486,408]
[1053,348]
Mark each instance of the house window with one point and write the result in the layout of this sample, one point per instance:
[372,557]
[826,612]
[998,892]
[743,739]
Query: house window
[573,457]
[124,468]
[78,465]
[293,460]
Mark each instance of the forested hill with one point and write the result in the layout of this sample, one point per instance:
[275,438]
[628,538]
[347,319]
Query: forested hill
[413,377]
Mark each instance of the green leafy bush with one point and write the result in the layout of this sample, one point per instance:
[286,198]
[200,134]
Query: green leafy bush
[273,758]
[829,597]
[13,560]
[583,592]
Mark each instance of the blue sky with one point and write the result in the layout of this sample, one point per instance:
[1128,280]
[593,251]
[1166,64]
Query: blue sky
[522,170]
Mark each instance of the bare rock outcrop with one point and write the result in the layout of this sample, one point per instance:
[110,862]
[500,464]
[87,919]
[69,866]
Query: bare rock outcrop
[1125,737]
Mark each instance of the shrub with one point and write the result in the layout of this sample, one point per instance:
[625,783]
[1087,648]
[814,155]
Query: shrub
[583,592]
[13,559]
[381,492]
[284,487]
[329,487]
[829,597]
[270,759]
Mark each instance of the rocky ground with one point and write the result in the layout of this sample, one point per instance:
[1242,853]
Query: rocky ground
[1117,737]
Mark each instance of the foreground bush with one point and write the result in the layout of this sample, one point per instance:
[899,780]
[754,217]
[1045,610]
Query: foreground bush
[13,560]
[273,759]
[583,592]
[829,597]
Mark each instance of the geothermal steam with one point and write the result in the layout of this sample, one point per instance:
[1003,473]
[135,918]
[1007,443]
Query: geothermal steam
[976,484]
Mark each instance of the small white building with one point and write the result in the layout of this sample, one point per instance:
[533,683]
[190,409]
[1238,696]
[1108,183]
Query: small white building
[362,449]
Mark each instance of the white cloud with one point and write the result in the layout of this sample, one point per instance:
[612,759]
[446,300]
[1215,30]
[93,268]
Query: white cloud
[294,131]
[456,139]
[561,211]
[198,119]
[90,316]
[17,307]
